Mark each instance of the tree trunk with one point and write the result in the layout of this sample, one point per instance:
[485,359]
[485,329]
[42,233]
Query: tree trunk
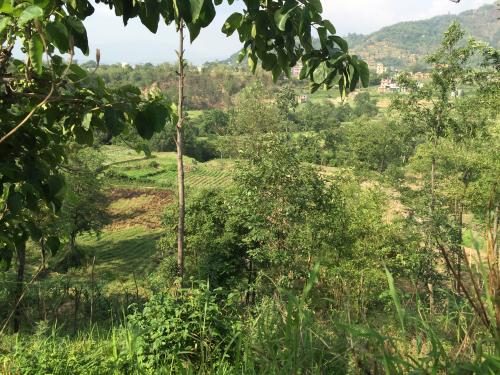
[433,183]
[459,246]
[180,162]
[43,252]
[72,242]
[21,262]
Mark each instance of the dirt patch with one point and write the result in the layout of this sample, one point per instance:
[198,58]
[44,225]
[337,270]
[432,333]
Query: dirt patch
[137,207]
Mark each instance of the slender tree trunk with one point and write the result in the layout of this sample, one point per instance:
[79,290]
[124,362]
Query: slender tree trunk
[494,271]
[180,162]
[21,259]
[459,245]
[43,252]
[72,242]
[433,183]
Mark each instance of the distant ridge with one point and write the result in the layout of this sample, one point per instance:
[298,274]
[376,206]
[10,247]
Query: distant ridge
[407,43]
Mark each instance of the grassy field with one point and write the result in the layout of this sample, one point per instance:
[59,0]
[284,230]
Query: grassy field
[122,256]
[126,168]
[139,190]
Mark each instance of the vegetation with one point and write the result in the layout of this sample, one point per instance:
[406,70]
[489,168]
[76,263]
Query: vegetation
[250,233]
[405,44]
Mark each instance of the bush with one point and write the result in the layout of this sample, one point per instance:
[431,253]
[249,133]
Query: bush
[187,325]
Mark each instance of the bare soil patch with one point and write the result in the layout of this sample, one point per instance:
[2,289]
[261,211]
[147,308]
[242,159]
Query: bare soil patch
[137,207]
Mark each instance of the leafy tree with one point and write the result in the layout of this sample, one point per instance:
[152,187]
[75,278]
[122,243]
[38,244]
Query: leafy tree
[372,145]
[214,122]
[286,101]
[84,205]
[277,34]
[45,106]
[364,105]
[455,128]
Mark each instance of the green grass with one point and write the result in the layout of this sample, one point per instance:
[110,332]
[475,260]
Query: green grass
[474,240]
[129,168]
[194,114]
[122,254]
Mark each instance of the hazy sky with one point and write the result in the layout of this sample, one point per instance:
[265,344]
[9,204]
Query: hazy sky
[135,44]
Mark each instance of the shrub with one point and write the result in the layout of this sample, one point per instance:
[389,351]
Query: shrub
[187,325]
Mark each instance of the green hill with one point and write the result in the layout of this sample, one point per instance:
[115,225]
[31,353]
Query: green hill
[406,43]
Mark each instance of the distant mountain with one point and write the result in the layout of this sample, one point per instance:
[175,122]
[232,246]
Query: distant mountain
[407,43]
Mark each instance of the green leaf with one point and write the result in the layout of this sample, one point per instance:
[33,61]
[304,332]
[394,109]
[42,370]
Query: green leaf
[395,299]
[182,9]
[77,73]
[152,118]
[329,26]
[58,35]
[322,33]
[149,14]
[282,15]
[232,23]
[53,244]
[242,55]
[207,14]
[194,31]
[269,61]
[340,42]
[36,53]
[77,30]
[196,6]
[30,13]
[320,73]
[6,7]
[317,5]
[87,121]
[4,22]
[364,73]
[83,137]
[15,202]
[115,120]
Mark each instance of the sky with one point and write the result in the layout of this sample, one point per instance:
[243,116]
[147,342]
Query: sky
[136,44]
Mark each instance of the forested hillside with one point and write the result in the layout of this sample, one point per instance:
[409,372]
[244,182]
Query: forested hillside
[407,43]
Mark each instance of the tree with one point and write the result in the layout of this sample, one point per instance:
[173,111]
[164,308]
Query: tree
[84,205]
[456,127]
[364,105]
[45,106]
[286,101]
[269,33]
[51,104]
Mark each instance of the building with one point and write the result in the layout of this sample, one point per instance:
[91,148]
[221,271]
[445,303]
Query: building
[381,69]
[296,70]
[389,86]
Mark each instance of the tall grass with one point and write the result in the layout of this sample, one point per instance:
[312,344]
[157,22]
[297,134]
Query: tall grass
[281,335]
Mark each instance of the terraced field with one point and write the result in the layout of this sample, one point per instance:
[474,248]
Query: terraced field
[122,255]
[127,168]
[139,190]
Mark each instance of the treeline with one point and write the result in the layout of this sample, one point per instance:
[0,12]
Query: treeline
[207,87]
